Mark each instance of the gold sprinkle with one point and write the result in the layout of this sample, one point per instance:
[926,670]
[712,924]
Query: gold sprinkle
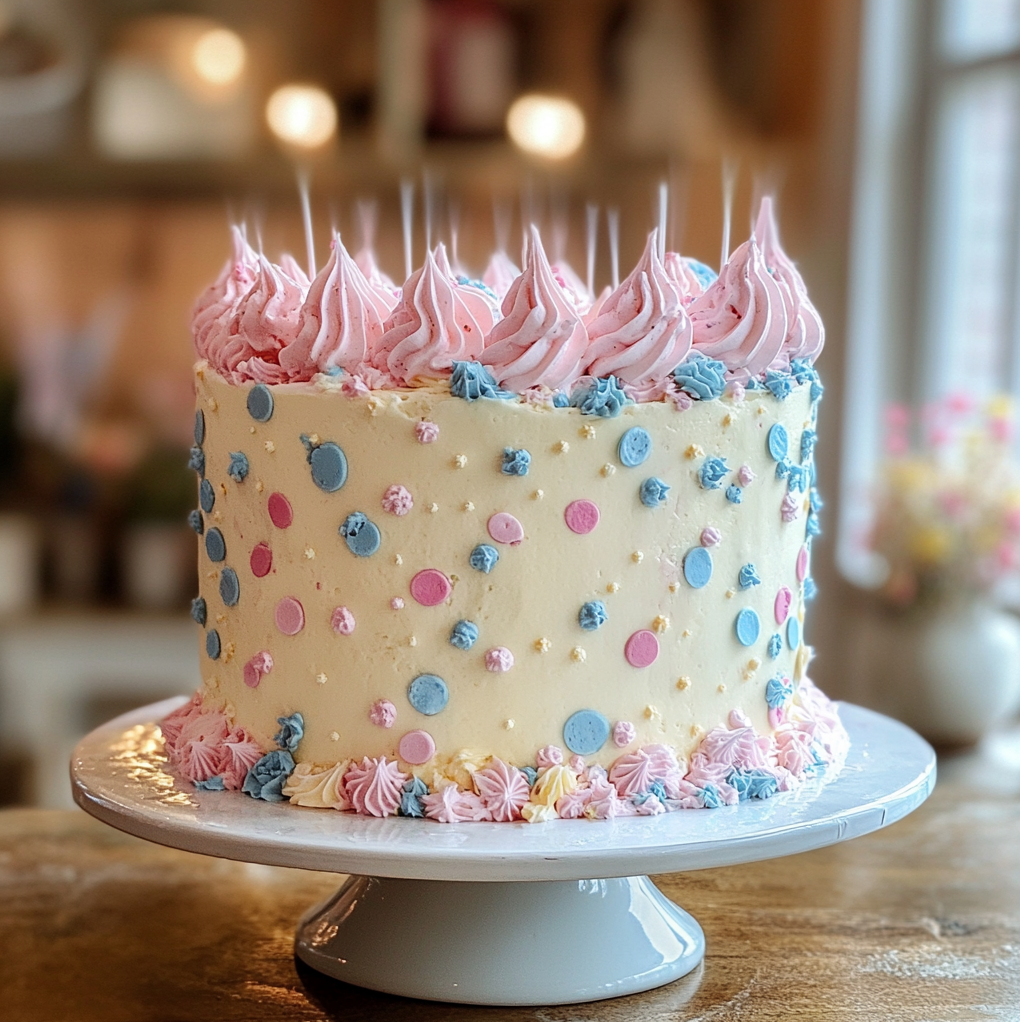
[259,486]
[753,664]
[313,439]
[217,515]
[730,593]
[722,688]
[309,553]
[212,575]
[508,724]
[761,409]
[588,432]
[321,678]
[223,489]
[200,371]
[251,429]
[270,446]
[613,587]
[220,618]
[696,729]
[651,711]
[413,641]
[228,652]
[334,736]
[542,645]
[683,683]
[433,507]
[460,461]
[397,559]
[727,420]
[468,506]
[674,587]
[562,447]
[660,624]
[694,451]
[686,633]
[578,655]
[211,402]
[637,557]
[538,495]
[607,470]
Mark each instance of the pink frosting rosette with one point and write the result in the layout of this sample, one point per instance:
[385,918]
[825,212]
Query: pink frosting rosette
[685,280]
[540,341]
[643,331]
[500,273]
[741,318]
[215,308]
[370,269]
[805,333]
[433,326]
[341,319]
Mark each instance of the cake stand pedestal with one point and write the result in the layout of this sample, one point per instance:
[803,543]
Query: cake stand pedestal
[509,914]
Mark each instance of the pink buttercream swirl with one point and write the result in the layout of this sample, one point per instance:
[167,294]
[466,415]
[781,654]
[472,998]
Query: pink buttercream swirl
[498,659]
[451,805]
[540,341]
[383,713]
[374,786]
[548,756]
[257,668]
[341,319]
[741,319]
[397,500]
[240,753]
[790,508]
[215,308]
[805,332]
[624,733]
[643,331]
[634,772]
[500,273]
[342,621]
[426,432]
[434,326]
[503,789]
[685,280]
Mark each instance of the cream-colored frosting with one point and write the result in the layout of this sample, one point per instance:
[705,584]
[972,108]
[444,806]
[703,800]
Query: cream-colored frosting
[530,601]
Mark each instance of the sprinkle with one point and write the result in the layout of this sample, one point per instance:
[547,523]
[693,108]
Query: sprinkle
[753,664]
[211,404]
[412,640]
[683,683]
[321,679]
[694,451]
[397,603]
[228,652]
[686,633]
[468,506]
[334,736]
[607,470]
[259,486]
[727,420]
[542,645]
[508,724]
[637,557]
[270,446]
[578,655]
[651,712]
[674,587]
[588,432]
[433,507]
[696,729]
[721,688]
[660,624]
[613,587]
[538,495]
[460,461]
[398,560]
[562,447]
[309,554]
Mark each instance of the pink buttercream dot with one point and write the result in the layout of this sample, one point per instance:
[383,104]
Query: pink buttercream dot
[789,508]
[290,616]
[710,536]
[426,432]
[261,560]
[802,564]
[259,665]
[342,621]
[430,587]
[397,500]
[624,733]
[641,649]
[581,516]
[549,756]
[416,747]
[383,713]
[281,514]
[498,659]
[782,608]
[577,764]
[397,603]
[745,475]
[504,528]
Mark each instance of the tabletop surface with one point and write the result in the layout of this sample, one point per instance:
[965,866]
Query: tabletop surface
[918,922]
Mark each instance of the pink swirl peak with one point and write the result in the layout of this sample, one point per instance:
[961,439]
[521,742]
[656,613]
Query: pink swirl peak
[500,273]
[805,333]
[540,341]
[549,756]
[741,319]
[341,319]
[240,753]
[643,332]
[503,789]
[684,278]
[431,328]
[451,805]
[373,786]
[216,306]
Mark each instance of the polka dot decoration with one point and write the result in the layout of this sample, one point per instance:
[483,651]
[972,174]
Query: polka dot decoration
[802,564]
[642,649]
[582,516]
[416,747]
[782,605]
[199,427]
[793,633]
[430,587]
[289,616]
[778,442]
[215,545]
[206,496]
[361,535]
[212,644]
[329,467]
[634,448]
[748,627]
[260,403]
[585,732]
[198,611]
[230,587]
[698,567]
[281,514]
[505,528]
[261,560]
[428,694]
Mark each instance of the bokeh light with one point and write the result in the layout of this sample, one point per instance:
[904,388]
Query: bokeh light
[302,115]
[219,56]
[548,126]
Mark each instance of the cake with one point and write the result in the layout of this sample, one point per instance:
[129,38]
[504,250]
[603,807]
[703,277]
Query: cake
[506,551]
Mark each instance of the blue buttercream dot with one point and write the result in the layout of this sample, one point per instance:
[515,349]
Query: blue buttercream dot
[361,535]
[653,492]
[775,645]
[515,463]
[484,558]
[797,480]
[602,397]
[712,472]
[779,383]
[428,694]
[215,545]
[734,494]
[808,439]
[698,567]
[779,442]
[810,588]
[292,730]
[464,635]
[230,587]
[748,627]
[196,461]
[561,400]
[701,378]
[783,469]
[199,427]
[196,521]
[212,644]
[198,611]
[747,577]
[471,381]
[635,446]
[206,496]
[812,526]
[329,467]
[777,692]
[260,403]
[793,632]
[238,467]
[592,615]
[585,732]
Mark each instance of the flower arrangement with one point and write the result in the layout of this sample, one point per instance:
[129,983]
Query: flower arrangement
[948,510]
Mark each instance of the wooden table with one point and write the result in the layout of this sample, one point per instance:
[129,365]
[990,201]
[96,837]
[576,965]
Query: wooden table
[919,922]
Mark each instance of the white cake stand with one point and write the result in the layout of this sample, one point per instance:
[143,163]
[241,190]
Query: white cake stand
[484,913]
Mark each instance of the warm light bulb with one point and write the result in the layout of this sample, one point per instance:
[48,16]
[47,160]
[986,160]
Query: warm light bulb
[302,115]
[218,56]
[546,126]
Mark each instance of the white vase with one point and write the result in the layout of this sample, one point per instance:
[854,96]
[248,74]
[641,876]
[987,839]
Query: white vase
[952,672]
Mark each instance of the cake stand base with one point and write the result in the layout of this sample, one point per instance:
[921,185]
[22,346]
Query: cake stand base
[501,943]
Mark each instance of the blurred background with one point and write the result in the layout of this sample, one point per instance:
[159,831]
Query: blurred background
[132,132]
